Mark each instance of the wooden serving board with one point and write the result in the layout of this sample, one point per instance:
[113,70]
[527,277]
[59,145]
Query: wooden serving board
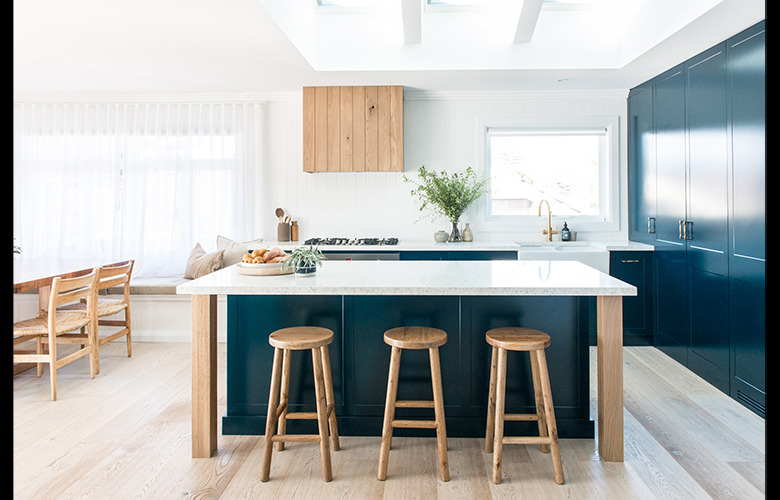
[263,269]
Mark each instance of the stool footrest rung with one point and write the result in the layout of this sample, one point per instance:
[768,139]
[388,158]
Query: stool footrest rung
[521,417]
[526,440]
[415,424]
[298,438]
[302,415]
[413,404]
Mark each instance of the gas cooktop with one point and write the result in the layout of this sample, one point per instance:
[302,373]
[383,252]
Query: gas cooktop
[352,241]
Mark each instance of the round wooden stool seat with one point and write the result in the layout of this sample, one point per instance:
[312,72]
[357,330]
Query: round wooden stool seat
[301,337]
[415,337]
[517,339]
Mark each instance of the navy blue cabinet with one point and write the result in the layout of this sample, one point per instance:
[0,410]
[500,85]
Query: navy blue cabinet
[747,218]
[708,173]
[635,268]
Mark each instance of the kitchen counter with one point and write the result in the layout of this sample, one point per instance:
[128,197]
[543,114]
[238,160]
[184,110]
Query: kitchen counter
[361,299]
[420,245]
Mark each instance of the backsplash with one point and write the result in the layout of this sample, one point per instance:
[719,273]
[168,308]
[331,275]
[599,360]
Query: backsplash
[440,132]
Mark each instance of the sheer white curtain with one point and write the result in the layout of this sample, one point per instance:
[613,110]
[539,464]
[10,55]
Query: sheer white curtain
[128,180]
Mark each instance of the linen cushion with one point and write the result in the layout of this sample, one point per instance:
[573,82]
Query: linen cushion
[234,250]
[201,263]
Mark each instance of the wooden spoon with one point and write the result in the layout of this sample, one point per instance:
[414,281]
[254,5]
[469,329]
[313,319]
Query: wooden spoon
[279,214]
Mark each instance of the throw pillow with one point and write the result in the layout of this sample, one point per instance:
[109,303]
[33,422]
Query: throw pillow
[235,250]
[201,263]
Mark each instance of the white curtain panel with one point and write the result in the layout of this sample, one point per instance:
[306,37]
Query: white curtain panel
[146,181]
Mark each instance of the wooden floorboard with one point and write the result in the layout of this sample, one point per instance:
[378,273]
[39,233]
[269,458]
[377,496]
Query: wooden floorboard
[126,434]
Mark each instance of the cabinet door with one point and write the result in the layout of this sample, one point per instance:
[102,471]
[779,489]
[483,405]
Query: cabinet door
[672,321]
[706,230]
[747,254]
[641,166]
[635,268]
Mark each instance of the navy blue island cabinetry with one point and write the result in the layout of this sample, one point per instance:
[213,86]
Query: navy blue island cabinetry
[360,359]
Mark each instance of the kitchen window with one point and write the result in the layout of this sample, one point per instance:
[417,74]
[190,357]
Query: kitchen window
[572,163]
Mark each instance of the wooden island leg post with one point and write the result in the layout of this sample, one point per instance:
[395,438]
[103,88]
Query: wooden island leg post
[610,377]
[204,375]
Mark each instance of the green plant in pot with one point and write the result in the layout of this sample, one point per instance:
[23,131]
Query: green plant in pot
[304,260]
[448,194]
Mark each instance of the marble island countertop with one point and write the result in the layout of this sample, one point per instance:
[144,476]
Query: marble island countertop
[419,278]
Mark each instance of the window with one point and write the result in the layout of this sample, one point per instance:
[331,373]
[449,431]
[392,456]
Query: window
[140,181]
[572,163]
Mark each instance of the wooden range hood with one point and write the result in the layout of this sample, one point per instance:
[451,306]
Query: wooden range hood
[353,129]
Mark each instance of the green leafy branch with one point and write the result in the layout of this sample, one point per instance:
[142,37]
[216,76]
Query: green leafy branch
[447,194]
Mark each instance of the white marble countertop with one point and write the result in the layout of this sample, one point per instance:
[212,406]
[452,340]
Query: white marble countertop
[404,245]
[540,277]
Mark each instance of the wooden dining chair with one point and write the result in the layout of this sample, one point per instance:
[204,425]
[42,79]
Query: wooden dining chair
[56,326]
[109,277]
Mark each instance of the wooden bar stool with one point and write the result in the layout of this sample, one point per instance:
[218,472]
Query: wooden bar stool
[414,337]
[284,342]
[533,341]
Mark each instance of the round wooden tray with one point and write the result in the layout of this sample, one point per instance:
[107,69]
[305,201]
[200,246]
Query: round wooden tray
[262,269]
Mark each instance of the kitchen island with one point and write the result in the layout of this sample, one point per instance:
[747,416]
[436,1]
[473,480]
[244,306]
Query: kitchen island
[361,299]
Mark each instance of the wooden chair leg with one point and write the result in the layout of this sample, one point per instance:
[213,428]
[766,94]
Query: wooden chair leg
[322,414]
[498,439]
[330,398]
[387,428]
[438,405]
[284,398]
[273,402]
[52,345]
[540,403]
[129,333]
[550,414]
[491,410]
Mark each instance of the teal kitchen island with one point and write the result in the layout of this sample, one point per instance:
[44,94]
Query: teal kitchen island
[359,300]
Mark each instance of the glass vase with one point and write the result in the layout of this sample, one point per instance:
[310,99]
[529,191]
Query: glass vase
[455,233]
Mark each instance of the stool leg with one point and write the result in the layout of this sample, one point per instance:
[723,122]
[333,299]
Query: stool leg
[273,402]
[285,394]
[498,440]
[540,404]
[387,426]
[329,397]
[322,414]
[550,413]
[438,405]
[491,410]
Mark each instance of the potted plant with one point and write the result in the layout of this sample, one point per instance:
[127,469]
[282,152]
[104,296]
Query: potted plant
[304,260]
[448,194]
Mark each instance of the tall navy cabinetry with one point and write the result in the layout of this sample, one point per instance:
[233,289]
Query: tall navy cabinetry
[747,217]
[697,172]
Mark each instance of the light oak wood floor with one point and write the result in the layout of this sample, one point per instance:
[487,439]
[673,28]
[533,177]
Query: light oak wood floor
[126,434]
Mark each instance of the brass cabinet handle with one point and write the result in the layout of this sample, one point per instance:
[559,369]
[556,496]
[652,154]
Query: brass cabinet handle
[651,225]
[680,230]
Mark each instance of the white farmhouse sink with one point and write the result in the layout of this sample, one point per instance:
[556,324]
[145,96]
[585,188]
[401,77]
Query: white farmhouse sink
[589,254]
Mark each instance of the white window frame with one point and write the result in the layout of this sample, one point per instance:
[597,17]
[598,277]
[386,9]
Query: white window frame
[609,174]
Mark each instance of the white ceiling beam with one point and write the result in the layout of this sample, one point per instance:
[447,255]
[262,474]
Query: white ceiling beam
[411,12]
[526,23]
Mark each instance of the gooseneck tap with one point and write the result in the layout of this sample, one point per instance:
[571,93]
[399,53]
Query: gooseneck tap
[549,231]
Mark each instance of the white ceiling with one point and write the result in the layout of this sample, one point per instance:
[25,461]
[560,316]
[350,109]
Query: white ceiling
[228,46]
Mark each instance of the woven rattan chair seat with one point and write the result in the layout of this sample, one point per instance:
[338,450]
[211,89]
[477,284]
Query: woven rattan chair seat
[39,325]
[105,307]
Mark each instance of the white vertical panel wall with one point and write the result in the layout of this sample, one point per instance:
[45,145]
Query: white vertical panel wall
[440,132]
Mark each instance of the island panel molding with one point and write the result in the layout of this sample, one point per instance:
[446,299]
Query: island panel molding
[353,129]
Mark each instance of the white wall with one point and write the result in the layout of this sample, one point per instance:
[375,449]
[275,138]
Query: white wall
[440,131]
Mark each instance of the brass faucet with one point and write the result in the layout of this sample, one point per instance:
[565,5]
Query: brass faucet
[549,231]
